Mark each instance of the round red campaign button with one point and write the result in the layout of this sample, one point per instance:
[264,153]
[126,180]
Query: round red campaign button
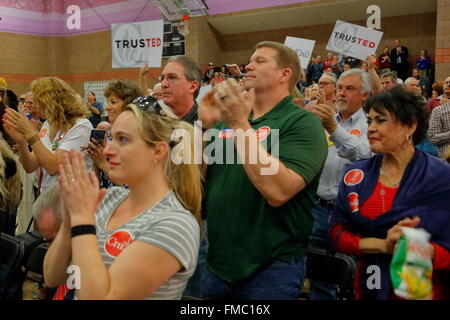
[117,242]
[226,133]
[355,132]
[262,133]
[353,177]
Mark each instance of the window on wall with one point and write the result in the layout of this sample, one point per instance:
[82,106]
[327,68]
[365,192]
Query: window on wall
[97,87]
[174,42]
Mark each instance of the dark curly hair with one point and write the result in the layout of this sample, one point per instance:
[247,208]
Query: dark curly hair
[126,90]
[405,107]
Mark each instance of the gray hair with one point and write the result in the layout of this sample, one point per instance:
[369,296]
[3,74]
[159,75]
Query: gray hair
[50,200]
[365,82]
[331,76]
[389,74]
[192,70]
[408,80]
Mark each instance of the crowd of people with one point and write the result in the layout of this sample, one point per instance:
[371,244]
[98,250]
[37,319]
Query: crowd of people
[340,156]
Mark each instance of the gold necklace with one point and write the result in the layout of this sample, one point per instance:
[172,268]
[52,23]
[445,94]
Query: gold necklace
[395,184]
[385,173]
[382,192]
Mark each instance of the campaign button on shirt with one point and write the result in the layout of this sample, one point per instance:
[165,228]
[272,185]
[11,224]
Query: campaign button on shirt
[117,242]
[353,201]
[353,177]
[355,132]
[226,133]
[262,133]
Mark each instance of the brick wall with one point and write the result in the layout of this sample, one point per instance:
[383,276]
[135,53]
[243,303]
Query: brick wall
[443,40]
[88,57]
[420,35]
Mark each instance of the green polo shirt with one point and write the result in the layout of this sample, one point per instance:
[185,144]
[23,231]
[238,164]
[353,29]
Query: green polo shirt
[245,234]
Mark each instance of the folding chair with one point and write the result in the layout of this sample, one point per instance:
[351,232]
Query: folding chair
[12,252]
[35,261]
[337,269]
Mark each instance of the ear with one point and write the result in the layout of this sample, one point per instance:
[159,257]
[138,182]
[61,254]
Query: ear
[286,75]
[365,96]
[412,128]
[194,85]
[160,151]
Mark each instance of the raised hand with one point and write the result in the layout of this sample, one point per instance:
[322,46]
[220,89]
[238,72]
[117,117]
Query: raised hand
[18,126]
[79,189]
[396,232]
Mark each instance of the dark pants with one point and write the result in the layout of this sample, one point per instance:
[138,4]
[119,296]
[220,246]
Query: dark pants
[279,281]
[319,239]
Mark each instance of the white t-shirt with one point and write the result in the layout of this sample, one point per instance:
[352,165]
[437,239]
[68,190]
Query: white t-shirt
[77,137]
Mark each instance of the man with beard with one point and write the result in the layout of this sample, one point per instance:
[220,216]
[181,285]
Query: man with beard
[347,142]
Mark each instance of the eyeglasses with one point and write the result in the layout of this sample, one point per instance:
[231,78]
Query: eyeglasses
[324,83]
[447,82]
[149,103]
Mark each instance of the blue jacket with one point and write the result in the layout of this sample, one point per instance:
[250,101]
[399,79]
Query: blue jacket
[424,192]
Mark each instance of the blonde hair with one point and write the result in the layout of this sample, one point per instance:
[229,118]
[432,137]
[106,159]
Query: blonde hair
[10,189]
[62,105]
[184,178]
[297,97]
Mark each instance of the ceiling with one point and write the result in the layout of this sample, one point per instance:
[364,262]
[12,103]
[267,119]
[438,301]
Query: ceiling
[312,13]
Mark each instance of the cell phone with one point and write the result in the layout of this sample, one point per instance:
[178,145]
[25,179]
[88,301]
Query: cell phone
[98,135]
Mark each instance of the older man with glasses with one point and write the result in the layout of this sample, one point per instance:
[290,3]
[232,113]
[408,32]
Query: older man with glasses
[327,91]
[346,129]
[180,83]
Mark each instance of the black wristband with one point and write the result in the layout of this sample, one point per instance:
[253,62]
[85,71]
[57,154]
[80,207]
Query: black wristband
[83,229]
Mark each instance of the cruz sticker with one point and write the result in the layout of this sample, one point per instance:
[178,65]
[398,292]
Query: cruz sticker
[226,133]
[262,133]
[353,201]
[355,132]
[117,242]
[353,177]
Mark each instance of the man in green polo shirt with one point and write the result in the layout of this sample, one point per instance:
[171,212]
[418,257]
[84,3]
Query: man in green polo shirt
[259,211]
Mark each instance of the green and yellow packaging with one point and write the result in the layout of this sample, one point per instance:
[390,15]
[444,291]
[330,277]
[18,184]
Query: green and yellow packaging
[411,266]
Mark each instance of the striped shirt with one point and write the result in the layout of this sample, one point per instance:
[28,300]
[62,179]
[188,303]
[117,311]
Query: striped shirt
[439,131]
[167,225]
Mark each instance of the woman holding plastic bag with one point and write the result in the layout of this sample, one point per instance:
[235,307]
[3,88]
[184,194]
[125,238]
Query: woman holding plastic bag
[399,187]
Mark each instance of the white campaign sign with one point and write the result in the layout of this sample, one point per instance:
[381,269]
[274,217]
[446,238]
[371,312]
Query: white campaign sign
[353,40]
[203,91]
[133,44]
[303,47]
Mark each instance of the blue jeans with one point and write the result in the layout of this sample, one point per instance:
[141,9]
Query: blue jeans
[319,239]
[279,281]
